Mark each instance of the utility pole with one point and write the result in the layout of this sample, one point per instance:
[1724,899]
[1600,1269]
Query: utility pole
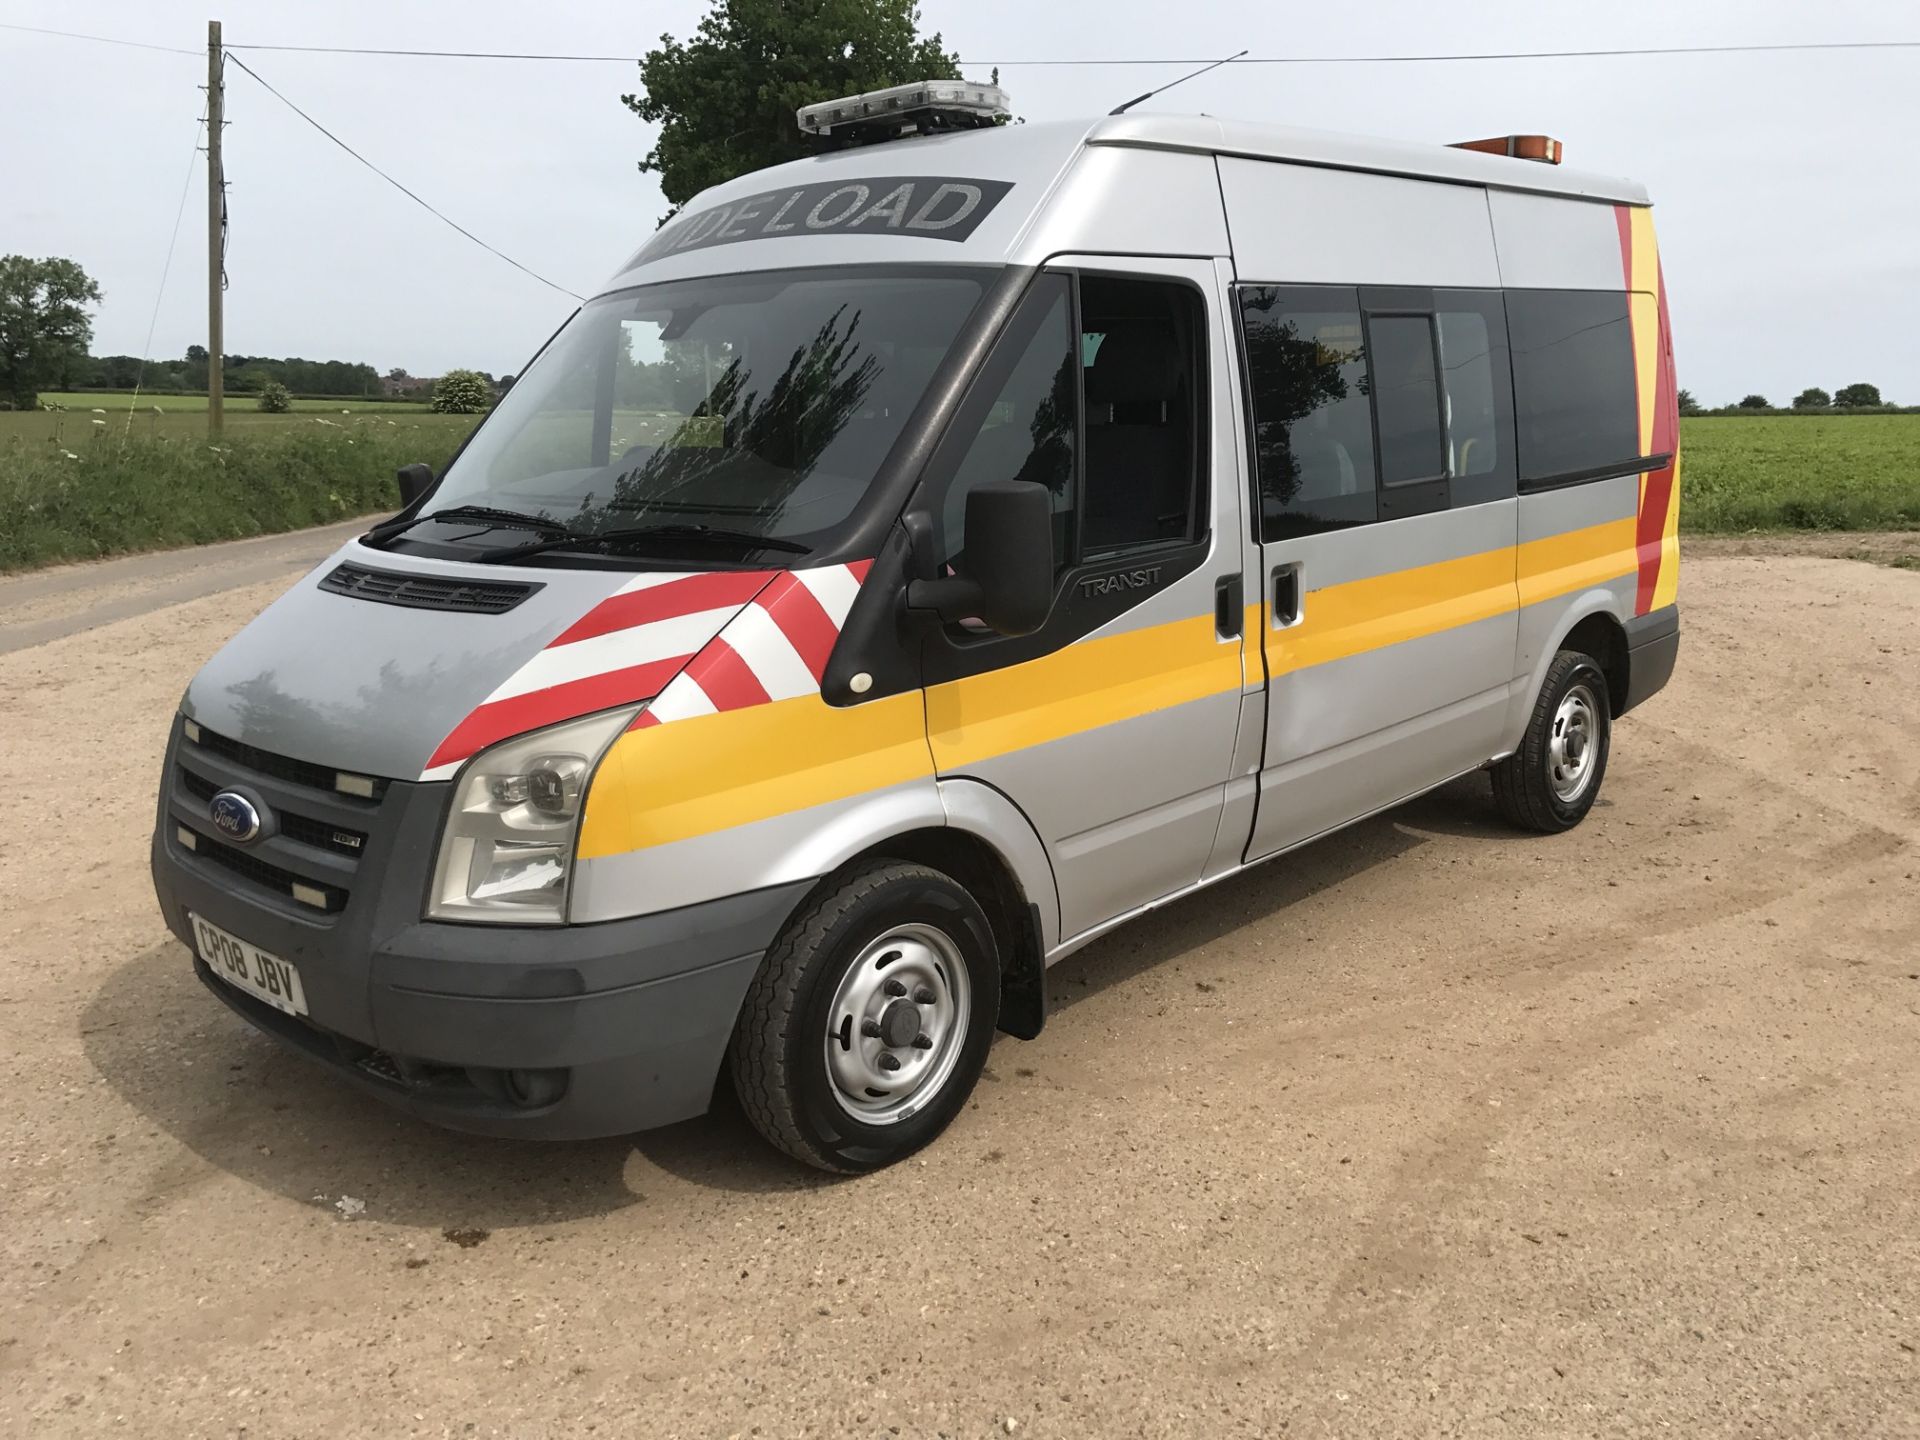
[216,218]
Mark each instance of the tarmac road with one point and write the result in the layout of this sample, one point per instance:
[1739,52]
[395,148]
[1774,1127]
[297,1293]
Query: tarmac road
[1429,1129]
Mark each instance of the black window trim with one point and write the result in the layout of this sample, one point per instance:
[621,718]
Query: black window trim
[1639,465]
[1200,457]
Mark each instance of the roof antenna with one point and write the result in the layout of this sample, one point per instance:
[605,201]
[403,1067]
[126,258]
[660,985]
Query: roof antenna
[1122,109]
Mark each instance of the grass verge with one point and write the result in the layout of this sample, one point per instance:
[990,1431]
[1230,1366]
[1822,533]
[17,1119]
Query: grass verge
[109,497]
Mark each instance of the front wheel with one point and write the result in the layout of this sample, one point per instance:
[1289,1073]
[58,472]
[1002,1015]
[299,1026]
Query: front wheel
[870,1019]
[1550,783]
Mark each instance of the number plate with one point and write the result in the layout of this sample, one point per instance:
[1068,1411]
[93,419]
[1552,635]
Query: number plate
[266,977]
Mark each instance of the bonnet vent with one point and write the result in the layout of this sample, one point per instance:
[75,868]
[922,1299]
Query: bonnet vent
[427,592]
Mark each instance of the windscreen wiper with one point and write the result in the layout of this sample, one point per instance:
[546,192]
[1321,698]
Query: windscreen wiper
[640,535]
[491,515]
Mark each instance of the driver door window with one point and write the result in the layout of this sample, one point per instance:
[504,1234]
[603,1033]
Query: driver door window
[1028,432]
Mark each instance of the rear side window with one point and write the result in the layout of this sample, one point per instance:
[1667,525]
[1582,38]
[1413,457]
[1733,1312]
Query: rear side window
[1573,385]
[1477,383]
[1306,364]
[1406,394]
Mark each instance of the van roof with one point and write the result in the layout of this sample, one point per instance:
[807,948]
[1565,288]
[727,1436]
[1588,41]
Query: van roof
[1204,134]
[1036,156]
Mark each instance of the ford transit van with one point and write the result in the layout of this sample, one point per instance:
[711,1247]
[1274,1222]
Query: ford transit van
[918,560]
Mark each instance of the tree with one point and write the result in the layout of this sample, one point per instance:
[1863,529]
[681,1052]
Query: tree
[1754,402]
[1812,398]
[724,101]
[462,392]
[1858,395]
[44,325]
[274,398]
[1689,405]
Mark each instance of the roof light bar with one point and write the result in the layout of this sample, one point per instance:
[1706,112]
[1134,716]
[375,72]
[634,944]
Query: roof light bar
[1543,148]
[923,105]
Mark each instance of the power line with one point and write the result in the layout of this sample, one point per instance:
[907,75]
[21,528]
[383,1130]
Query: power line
[1424,59]
[98,39]
[1165,60]
[395,183]
[140,375]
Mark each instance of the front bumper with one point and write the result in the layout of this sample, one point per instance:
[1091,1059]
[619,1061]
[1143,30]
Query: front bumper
[434,1017]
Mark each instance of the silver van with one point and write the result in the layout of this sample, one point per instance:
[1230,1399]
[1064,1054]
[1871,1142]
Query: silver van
[918,560]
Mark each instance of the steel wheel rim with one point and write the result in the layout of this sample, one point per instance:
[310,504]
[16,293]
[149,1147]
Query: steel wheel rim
[912,973]
[1573,749]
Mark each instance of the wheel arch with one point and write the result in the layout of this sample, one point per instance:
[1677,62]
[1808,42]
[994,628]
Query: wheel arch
[977,835]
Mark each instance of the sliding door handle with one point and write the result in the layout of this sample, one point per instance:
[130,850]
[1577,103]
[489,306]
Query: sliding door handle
[1228,603]
[1286,595]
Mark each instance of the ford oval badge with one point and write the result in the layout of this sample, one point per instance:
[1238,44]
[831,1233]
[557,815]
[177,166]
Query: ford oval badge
[235,817]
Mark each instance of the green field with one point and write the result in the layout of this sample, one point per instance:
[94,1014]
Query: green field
[71,489]
[1852,472]
[185,416]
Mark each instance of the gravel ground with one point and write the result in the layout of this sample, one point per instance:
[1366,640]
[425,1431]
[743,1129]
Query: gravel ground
[1429,1129]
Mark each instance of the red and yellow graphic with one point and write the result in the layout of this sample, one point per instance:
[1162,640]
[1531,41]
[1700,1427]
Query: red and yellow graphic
[1657,533]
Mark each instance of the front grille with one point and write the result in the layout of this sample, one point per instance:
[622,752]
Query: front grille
[305,829]
[269,876]
[280,767]
[315,833]
[427,592]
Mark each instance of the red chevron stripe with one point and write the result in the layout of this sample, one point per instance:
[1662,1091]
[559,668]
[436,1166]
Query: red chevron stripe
[802,619]
[709,591]
[727,678]
[521,713]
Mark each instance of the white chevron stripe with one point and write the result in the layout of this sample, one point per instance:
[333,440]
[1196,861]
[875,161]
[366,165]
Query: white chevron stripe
[681,700]
[834,587]
[769,654]
[682,635]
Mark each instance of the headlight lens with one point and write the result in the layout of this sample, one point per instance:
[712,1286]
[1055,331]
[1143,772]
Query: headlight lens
[507,851]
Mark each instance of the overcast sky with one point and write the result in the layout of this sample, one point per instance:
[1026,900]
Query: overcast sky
[1784,185]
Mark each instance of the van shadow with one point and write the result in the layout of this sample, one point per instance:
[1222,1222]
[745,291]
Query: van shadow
[276,1120]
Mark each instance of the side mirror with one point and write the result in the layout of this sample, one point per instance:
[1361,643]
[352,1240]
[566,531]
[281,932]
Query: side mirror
[415,480]
[1009,580]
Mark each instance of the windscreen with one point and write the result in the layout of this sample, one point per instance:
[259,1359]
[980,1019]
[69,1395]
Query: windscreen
[758,403]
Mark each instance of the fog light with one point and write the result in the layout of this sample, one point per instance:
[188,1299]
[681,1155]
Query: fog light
[534,1088]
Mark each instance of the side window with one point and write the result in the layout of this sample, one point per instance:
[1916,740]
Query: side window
[1306,365]
[1406,398]
[1573,384]
[1476,376]
[1140,342]
[1028,431]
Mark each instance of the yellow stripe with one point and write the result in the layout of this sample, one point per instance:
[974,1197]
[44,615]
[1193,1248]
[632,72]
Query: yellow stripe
[1560,564]
[1343,620]
[713,772]
[1666,588]
[1081,687]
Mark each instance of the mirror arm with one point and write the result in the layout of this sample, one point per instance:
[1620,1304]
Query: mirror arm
[952,599]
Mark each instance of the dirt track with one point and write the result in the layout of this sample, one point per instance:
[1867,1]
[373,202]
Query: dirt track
[1431,1129]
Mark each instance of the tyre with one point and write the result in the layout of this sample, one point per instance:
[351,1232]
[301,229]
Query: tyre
[1550,782]
[870,1019]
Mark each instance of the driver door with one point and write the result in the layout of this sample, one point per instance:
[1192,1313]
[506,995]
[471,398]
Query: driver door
[1114,726]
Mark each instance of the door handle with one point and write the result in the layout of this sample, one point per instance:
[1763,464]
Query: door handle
[1286,596]
[1228,603]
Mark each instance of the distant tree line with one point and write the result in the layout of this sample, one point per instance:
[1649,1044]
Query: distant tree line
[1856,399]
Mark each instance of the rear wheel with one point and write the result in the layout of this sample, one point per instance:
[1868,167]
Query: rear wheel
[1550,783]
[869,1022]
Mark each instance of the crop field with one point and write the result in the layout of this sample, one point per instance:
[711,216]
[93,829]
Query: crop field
[185,416]
[78,484]
[1851,472]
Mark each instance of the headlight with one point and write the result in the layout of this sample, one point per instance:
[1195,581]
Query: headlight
[507,850]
